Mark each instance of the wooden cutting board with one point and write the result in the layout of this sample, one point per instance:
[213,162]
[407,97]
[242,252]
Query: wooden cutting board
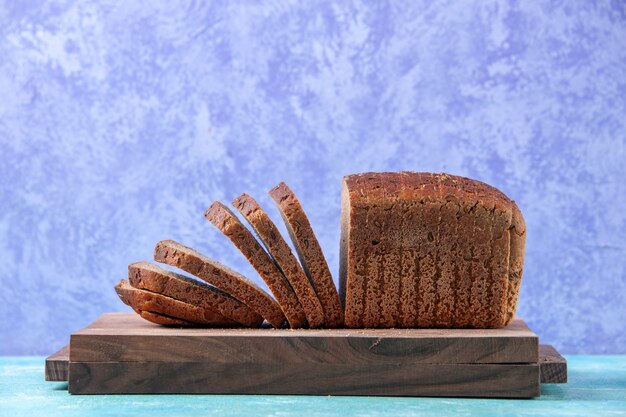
[121,353]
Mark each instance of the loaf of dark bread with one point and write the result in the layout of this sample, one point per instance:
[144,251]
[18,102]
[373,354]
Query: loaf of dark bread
[417,250]
[428,250]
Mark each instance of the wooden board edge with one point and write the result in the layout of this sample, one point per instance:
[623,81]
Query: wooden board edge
[472,380]
[57,365]
[552,365]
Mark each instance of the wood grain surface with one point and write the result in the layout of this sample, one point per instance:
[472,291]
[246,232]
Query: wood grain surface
[57,365]
[553,366]
[124,337]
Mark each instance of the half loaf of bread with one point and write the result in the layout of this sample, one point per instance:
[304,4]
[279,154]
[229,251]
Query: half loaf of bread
[428,250]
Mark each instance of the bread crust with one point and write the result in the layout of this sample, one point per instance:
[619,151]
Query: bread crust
[270,236]
[222,277]
[517,232]
[309,252]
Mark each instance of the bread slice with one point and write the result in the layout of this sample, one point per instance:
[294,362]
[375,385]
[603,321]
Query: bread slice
[175,254]
[280,252]
[458,244]
[147,276]
[226,221]
[143,300]
[164,320]
[309,252]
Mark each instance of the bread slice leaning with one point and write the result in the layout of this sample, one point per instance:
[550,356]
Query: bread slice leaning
[144,300]
[278,249]
[222,277]
[228,223]
[150,277]
[310,253]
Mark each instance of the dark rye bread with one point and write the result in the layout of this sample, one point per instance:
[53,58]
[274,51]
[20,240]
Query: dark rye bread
[147,276]
[278,249]
[309,252]
[143,300]
[164,320]
[226,221]
[458,244]
[220,276]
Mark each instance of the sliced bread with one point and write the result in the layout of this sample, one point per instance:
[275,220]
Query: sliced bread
[231,282]
[164,320]
[147,276]
[310,253]
[278,249]
[228,223]
[143,300]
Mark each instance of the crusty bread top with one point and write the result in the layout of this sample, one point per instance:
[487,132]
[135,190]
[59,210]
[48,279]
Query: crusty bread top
[309,252]
[278,249]
[221,276]
[428,185]
[228,223]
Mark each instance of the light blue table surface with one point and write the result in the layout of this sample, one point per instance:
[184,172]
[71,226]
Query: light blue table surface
[597,386]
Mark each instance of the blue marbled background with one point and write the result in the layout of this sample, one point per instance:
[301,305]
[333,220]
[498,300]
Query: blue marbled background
[120,122]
